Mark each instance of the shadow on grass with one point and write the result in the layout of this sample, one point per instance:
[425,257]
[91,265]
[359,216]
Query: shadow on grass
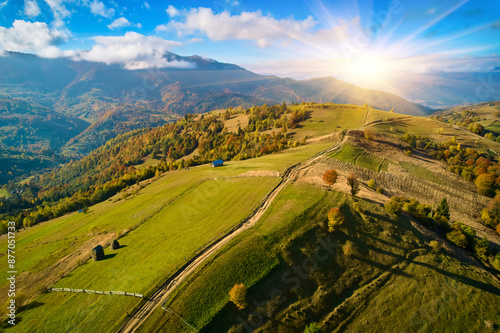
[463,279]
[108,256]
[33,305]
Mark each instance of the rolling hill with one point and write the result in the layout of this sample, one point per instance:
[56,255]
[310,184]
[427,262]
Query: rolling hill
[114,100]
[191,234]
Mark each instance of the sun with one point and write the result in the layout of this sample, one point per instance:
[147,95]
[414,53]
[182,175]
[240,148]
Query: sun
[373,72]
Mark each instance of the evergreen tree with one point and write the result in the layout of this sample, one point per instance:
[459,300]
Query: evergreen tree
[443,209]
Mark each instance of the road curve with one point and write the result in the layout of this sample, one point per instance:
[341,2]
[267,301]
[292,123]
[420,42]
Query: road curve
[142,313]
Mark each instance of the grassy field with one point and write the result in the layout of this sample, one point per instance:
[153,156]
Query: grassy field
[39,248]
[4,193]
[247,259]
[390,280]
[352,154]
[430,128]
[44,244]
[333,117]
[149,253]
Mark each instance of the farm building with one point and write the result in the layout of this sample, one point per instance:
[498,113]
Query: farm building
[97,253]
[114,245]
[217,163]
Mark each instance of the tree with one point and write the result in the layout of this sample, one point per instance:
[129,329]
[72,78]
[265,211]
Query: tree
[335,219]
[353,183]
[330,177]
[484,183]
[458,238]
[443,209]
[238,295]
[85,210]
[369,133]
[395,205]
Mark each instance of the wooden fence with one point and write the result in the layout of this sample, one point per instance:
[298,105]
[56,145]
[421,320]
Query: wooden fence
[97,292]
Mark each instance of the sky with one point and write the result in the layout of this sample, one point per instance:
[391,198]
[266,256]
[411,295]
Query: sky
[358,41]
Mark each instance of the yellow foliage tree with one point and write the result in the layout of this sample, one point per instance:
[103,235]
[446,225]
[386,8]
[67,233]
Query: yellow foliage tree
[238,295]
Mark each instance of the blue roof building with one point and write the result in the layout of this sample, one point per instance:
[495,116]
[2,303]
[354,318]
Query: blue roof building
[217,163]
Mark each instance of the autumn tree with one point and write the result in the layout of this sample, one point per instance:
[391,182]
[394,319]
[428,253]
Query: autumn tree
[353,183]
[330,177]
[369,133]
[335,219]
[484,184]
[238,295]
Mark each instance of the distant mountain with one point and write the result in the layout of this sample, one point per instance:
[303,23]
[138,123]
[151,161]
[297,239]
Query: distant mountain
[444,90]
[113,100]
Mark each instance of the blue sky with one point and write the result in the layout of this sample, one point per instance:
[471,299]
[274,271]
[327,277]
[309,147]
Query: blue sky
[358,41]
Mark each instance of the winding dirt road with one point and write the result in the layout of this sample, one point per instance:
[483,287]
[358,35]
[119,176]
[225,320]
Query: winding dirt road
[134,321]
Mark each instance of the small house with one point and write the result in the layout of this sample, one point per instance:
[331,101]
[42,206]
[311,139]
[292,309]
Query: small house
[217,163]
[97,253]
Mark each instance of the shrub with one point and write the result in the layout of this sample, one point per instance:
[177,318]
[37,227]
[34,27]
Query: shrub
[458,238]
[348,248]
[335,219]
[312,328]
[380,190]
[481,247]
[369,133]
[496,262]
[238,294]
[371,183]
[436,246]
[395,205]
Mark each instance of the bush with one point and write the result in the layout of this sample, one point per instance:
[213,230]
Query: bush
[312,328]
[436,246]
[481,247]
[369,133]
[380,190]
[238,294]
[458,238]
[348,248]
[496,262]
[371,183]
[395,205]
[335,219]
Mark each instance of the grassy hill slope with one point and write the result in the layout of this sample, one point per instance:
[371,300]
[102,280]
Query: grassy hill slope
[375,260]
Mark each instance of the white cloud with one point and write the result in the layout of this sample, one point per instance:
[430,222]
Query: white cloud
[35,37]
[146,5]
[31,8]
[247,25]
[119,23]
[133,50]
[59,11]
[233,2]
[172,11]
[3,4]
[98,8]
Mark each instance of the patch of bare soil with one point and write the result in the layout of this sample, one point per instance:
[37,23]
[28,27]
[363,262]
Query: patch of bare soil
[260,173]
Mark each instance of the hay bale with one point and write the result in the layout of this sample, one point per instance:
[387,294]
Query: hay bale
[97,253]
[115,245]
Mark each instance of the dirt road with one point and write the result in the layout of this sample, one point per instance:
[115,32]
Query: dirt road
[178,277]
